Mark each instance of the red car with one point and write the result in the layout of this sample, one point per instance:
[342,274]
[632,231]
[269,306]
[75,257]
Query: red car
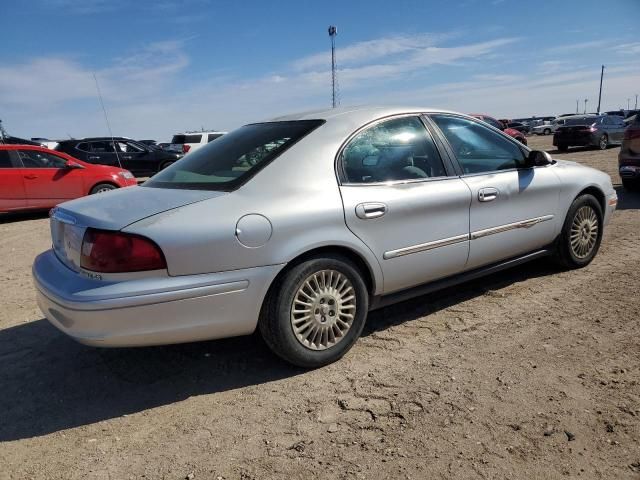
[500,126]
[34,177]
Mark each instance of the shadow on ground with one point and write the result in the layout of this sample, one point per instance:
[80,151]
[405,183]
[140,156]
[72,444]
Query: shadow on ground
[22,216]
[51,383]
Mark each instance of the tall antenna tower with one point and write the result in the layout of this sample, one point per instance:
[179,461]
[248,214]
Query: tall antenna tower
[333,31]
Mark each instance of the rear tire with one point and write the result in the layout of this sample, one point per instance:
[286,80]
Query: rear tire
[563,148]
[581,234]
[547,131]
[315,312]
[102,187]
[603,142]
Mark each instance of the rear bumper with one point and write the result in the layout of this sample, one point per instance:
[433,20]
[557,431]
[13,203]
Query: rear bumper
[629,164]
[576,140]
[152,311]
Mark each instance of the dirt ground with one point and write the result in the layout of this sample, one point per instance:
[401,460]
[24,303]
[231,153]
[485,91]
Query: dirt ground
[530,373]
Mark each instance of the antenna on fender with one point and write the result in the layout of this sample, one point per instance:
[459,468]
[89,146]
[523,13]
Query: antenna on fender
[106,118]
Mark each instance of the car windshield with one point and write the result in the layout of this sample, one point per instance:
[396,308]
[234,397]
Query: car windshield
[581,121]
[233,158]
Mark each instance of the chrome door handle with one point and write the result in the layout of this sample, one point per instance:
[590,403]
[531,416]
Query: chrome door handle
[127,157]
[370,210]
[93,158]
[487,194]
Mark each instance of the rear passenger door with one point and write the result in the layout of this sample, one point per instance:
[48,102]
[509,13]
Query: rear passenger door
[405,202]
[514,208]
[12,194]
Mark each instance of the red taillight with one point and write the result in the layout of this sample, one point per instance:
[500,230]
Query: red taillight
[185,148]
[632,132]
[116,252]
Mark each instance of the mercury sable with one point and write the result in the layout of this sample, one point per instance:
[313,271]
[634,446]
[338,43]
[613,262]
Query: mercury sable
[301,225]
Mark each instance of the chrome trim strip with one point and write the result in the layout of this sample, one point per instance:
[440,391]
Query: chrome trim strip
[425,246]
[510,226]
[63,217]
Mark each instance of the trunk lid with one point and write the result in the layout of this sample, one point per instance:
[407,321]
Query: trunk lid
[112,211]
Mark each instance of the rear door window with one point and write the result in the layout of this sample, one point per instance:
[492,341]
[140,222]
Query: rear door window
[213,136]
[5,159]
[399,149]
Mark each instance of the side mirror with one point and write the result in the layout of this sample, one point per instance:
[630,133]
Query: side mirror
[538,158]
[72,165]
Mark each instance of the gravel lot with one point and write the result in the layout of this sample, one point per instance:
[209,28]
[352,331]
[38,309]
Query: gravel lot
[530,373]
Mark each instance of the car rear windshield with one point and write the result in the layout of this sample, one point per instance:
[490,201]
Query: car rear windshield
[581,121]
[233,158]
[182,139]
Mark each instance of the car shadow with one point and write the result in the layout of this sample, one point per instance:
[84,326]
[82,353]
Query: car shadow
[51,383]
[627,199]
[22,216]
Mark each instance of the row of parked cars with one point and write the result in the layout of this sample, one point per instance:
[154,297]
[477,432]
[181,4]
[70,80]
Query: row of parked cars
[39,173]
[33,176]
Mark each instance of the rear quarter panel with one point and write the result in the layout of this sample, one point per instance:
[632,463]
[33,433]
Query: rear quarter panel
[298,193]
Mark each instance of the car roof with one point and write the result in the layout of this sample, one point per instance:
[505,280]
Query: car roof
[94,139]
[360,113]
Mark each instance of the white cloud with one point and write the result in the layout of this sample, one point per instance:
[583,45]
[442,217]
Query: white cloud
[146,93]
[629,48]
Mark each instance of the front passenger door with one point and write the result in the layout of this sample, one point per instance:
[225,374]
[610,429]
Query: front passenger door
[514,209]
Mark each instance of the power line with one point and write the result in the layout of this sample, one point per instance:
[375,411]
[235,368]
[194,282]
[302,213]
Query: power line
[113,142]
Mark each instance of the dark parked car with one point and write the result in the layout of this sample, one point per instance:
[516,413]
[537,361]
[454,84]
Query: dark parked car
[140,159]
[629,156]
[590,130]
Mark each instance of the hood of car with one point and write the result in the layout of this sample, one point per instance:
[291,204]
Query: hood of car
[116,209]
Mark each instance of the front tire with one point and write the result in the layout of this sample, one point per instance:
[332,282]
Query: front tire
[102,188]
[581,233]
[315,313]
[547,131]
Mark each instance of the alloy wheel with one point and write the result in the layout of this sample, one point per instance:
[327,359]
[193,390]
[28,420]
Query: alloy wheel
[323,309]
[584,232]
[604,142]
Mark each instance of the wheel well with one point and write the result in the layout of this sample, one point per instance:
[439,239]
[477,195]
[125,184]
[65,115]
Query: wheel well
[596,192]
[104,183]
[367,275]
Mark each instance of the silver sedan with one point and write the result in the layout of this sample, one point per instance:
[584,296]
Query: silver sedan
[301,225]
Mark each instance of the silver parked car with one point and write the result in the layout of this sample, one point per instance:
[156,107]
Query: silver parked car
[301,225]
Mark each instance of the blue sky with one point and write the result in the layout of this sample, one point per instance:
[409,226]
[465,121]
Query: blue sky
[167,66]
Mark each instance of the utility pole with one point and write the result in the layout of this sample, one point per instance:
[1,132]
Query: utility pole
[577,108]
[333,31]
[628,103]
[600,94]
[636,107]
[585,104]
